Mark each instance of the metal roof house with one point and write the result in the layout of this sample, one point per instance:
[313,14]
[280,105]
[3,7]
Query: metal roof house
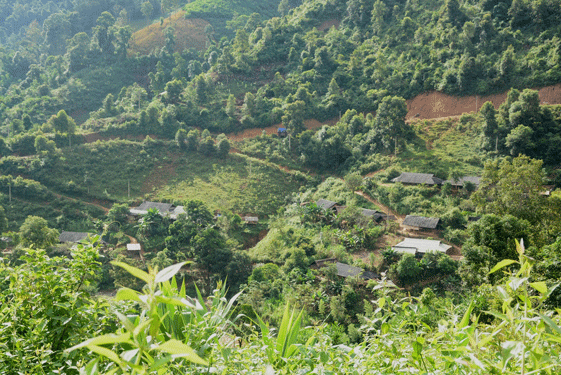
[377,216]
[165,209]
[418,179]
[326,205]
[460,182]
[420,222]
[345,270]
[251,219]
[77,237]
[133,247]
[417,246]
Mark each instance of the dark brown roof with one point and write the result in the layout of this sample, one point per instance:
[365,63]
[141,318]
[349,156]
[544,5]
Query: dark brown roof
[421,221]
[418,178]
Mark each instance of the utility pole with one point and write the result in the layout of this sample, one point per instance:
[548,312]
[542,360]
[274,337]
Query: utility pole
[10,192]
[129,188]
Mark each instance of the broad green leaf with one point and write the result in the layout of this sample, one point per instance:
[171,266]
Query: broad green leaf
[171,301]
[551,324]
[516,282]
[125,321]
[381,302]
[126,294]
[540,286]
[136,272]
[520,246]
[103,340]
[169,272]
[106,353]
[159,363]
[503,263]
[141,327]
[510,349]
[178,349]
[417,348]
[92,368]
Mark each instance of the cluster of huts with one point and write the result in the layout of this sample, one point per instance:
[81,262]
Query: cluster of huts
[168,210]
[415,246]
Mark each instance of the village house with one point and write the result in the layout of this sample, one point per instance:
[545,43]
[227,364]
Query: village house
[409,178]
[420,222]
[345,270]
[165,209]
[462,181]
[76,237]
[327,205]
[419,247]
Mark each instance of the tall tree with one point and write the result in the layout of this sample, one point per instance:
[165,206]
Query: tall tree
[512,187]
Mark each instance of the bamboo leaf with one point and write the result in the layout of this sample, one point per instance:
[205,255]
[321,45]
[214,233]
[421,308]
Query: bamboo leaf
[503,263]
[465,320]
[169,272]
[136,272]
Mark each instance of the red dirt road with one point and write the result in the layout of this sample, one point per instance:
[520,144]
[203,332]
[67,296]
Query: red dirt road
[428,106]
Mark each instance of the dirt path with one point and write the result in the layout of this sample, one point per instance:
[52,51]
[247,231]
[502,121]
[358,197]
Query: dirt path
[386,209]
[431,105]
[105,209]
[132,239]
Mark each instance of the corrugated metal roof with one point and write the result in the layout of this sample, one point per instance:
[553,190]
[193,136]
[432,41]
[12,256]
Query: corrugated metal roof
[420,245]
[421,221]
[368,212]
[325,204]
[73,236]
[345,270]
[133,247]
[462,180]
[163,208]
[418,178]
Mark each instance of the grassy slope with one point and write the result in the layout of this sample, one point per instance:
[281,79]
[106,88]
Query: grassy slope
[443,145]
[189,33]
[240,184]
[190,23]
[159,171]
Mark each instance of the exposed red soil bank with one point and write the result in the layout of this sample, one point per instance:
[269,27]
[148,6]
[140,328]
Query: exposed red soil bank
[434,104]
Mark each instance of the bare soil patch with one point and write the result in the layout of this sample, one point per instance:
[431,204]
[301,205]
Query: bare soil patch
[160,175]
[435,105]
[189,33]
[256,132]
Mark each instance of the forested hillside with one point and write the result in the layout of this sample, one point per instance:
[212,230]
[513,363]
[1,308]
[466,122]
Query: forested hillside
[232,186]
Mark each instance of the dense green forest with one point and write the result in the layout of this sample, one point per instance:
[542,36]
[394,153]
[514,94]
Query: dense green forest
[253,275]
